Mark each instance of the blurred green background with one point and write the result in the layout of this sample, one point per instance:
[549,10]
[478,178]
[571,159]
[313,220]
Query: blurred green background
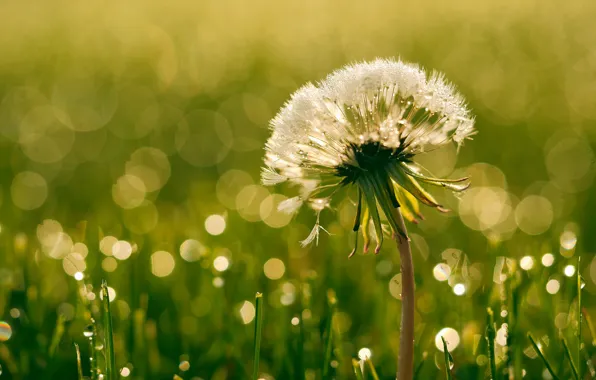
[131,141]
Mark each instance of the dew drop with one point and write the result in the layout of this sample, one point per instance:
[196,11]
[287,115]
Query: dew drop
[568,240]
[99,346]
[88,331]
[364,353]
[184,365]
[125,372]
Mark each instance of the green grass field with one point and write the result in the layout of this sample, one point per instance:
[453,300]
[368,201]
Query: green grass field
[131,143]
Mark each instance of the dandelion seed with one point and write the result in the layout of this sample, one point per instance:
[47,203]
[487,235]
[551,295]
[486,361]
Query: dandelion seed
[291,205]
[314,234]
[270,177]
[363,125]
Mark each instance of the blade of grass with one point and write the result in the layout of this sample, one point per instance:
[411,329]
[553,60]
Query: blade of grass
[357,369]
[546,363]
[589,365]
[108,333]
[300,357]
[579,319]
[91,333]
[373,371]
[419,367]
[329,336]
[490,340]
[57,336]
[79,365]
[447,356]
[258,329]
[570,359]
[590,324]
[139,351]
[514,358]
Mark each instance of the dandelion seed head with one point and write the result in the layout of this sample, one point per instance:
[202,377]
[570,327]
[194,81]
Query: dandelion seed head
[363,125]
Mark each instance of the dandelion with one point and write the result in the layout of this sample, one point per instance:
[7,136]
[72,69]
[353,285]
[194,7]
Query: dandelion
[360,130]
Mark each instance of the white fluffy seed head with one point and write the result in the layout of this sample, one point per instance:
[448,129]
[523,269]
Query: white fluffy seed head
[325,128]
[388,101]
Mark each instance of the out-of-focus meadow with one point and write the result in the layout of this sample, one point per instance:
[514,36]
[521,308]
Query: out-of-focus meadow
[131,143]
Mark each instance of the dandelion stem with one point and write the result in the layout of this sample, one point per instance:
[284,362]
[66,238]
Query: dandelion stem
[258,329]
[405,361]
[546,363]
[108,333]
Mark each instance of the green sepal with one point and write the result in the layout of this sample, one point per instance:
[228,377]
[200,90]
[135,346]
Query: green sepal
[357,223]
[459,184]
[364,227]
[411,185]
[368,191]
[381,186]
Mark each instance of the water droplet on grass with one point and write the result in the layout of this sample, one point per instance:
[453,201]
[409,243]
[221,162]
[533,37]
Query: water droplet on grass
[184,365]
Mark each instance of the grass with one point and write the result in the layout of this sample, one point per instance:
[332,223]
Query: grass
[258,334]
[570,360]
[318,342]
[79,364]
[371,368]
[418,368]
[580,341]
[357,369]
[490,340]
[448,360]
[110,359]
[548,366]
[57,336]
[331,301]
[93,356]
